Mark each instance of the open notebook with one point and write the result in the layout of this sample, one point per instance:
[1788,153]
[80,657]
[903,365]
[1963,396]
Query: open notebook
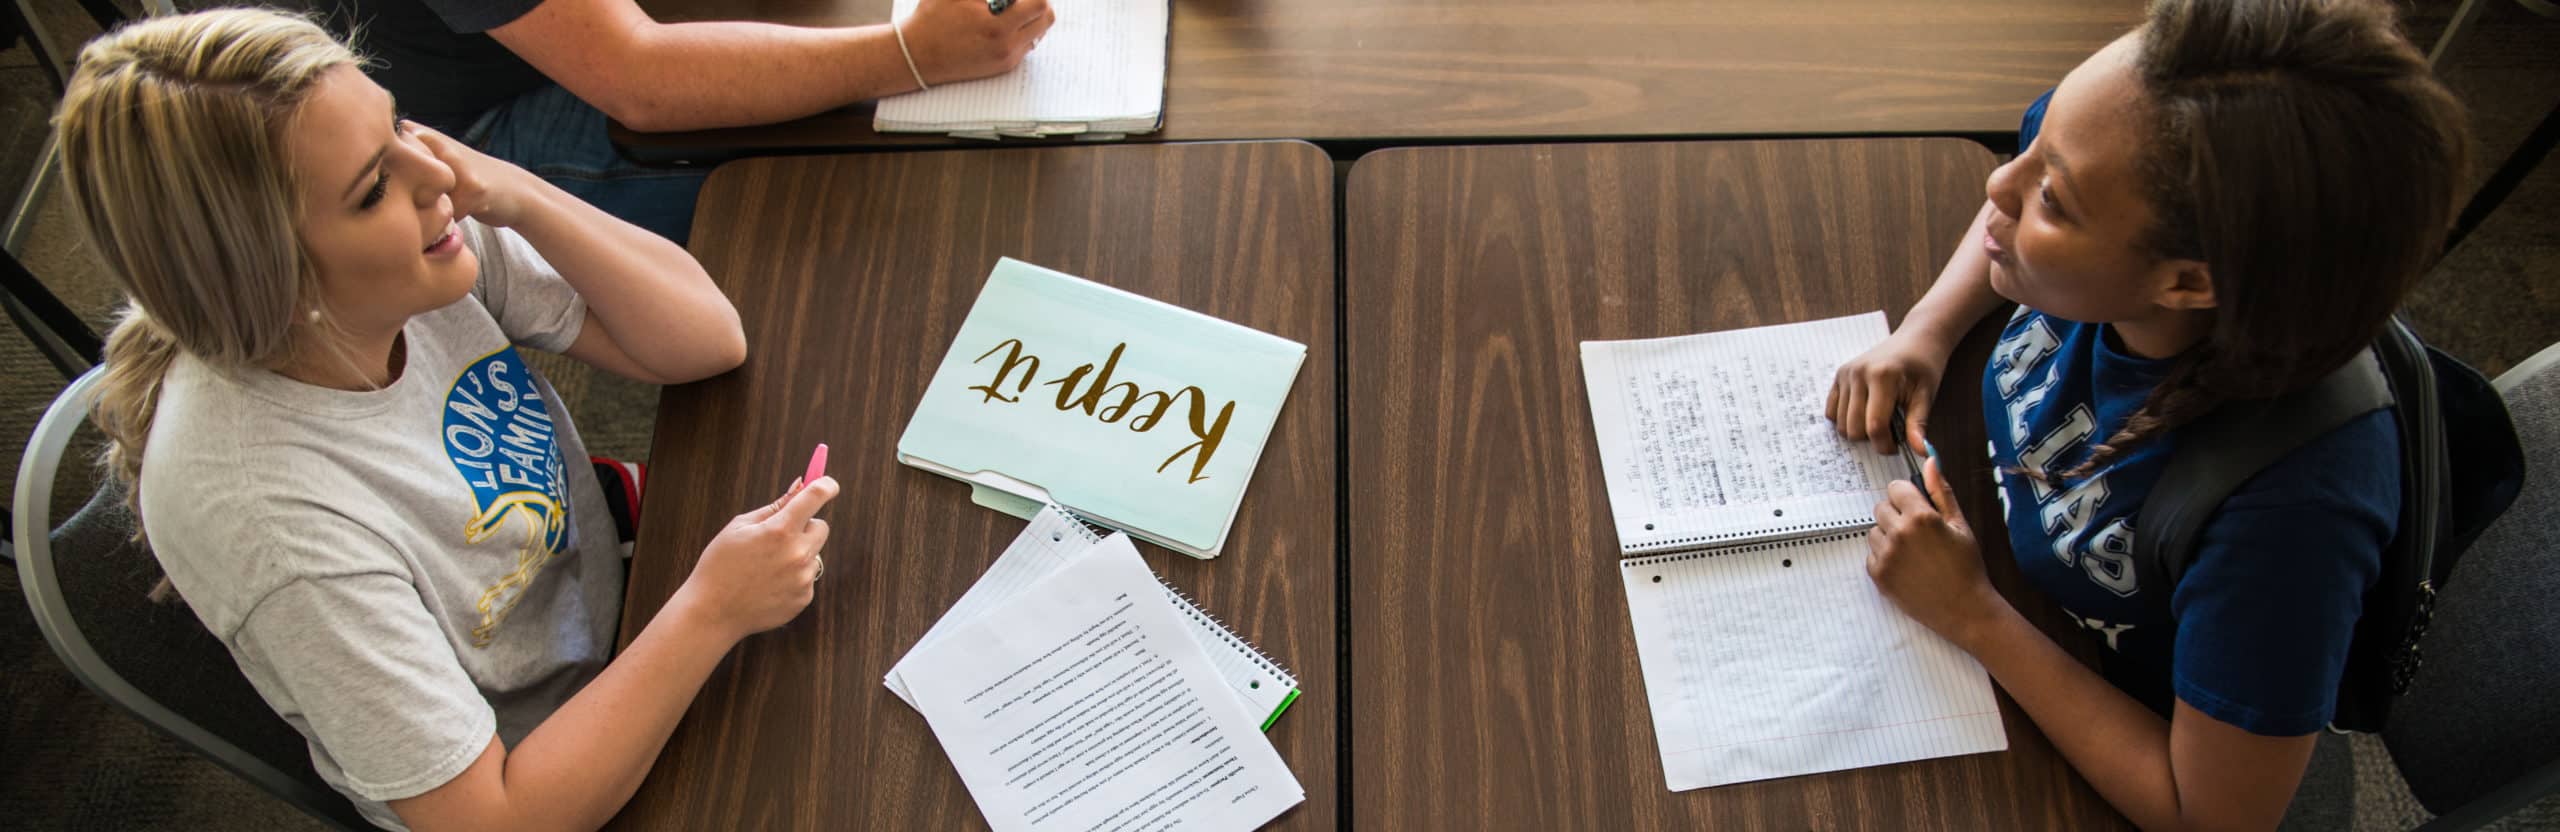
[1098,74]
[1741,519]
[1054,539]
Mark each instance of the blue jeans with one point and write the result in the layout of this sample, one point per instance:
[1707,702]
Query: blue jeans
[561,139]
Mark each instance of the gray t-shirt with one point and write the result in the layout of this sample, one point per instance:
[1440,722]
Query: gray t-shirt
[406,572]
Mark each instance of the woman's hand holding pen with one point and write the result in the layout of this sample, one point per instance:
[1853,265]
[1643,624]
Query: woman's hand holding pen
[1924,558]
[958,40]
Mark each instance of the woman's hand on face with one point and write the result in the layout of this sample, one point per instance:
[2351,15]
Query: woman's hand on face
[763,569]
[1926,560]
[485,188]
[1902,371]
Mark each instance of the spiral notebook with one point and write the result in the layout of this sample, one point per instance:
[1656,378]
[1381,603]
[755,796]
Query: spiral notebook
[1741,519]
[1097,74]
[1055,538]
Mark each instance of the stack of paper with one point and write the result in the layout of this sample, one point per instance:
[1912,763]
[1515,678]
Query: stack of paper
[1098,73]
[1055,538]
[1071,693]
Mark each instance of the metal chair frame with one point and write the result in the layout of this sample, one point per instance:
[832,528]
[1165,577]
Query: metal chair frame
[36,575]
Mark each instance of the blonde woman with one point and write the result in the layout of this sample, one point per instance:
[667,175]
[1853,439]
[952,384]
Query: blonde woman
[341,459]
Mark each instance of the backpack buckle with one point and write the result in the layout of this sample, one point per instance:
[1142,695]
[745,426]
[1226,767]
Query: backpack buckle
[2406,661]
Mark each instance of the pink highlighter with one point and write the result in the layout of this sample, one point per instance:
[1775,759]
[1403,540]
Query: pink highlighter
[817,465]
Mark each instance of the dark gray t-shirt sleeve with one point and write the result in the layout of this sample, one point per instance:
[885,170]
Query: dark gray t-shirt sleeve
[473,16]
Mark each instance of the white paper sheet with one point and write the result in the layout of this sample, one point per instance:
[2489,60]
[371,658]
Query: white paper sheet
[1048,544]
[1080,704]
[1778,659]
[1101,67]
[1720,437]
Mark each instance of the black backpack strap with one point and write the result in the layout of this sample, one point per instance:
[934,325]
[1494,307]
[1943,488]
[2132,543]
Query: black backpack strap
[2218,452]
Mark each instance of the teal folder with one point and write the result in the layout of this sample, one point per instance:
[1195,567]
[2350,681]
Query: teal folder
[1135,413]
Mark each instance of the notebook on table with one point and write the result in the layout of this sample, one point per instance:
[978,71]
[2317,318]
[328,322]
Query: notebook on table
[1134,413]
[1097,74]
[1054,539]
[1741,519]
[1080,703]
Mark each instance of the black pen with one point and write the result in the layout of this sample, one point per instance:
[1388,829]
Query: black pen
[1902,435]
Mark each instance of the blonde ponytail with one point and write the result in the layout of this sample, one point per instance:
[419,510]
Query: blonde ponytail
[138,356]
[173,164]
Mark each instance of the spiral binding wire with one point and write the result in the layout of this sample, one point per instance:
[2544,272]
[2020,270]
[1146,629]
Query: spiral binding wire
[1711,539]
[1227,634]
[1658,560]
[1087,530]
[1091,532]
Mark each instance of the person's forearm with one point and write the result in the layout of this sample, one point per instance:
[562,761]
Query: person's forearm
[578,768]
[664,311]
[1962,293]
[710,74]
[2115,743]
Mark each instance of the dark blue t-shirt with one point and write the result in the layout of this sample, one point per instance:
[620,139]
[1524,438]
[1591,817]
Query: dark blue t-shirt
[2255,634]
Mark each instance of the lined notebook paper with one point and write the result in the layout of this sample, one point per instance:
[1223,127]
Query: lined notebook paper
[1055,539]
[1779,659]
[1741,517]
[1098,72]
[1076,706]
[1719,438]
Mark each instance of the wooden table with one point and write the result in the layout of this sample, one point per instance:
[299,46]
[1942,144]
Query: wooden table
[1494,678]
[1460,69]
[852,274]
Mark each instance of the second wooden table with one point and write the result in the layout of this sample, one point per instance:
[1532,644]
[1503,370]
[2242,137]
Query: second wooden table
[1494,677]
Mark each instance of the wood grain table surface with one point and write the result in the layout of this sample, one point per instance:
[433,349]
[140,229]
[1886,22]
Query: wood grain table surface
[1494,679]
[851,275]
[1469,69]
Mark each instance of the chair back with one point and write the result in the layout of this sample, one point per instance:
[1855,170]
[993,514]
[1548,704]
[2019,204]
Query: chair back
[2478,734]
[87,582]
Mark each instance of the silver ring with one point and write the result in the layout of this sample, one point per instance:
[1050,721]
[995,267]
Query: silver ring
[822,567]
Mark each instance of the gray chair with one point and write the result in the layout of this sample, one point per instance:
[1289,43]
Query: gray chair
[87,582]
[2478,734]
[56,332]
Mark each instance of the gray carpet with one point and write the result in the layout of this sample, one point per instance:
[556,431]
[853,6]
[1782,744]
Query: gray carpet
[68,761]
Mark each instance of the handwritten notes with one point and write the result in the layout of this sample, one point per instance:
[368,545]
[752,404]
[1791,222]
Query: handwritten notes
[1080,704]
[1712,436]
[1720,437]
